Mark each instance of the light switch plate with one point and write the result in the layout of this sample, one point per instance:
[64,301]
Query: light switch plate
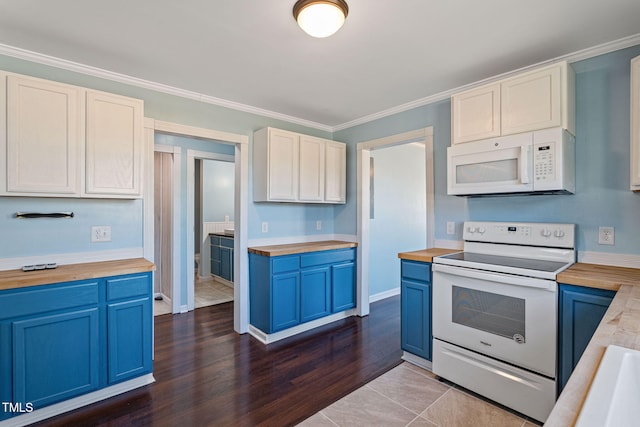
[451,227]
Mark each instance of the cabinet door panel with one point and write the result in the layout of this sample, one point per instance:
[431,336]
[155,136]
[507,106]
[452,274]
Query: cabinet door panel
[56,357]
[285,301]
[315,293]
[416,318]
[283,165]
[44,136]
[226,263]
[129,337]
[635,124]
[335,173]
[580,313]
[312,164]
[114,145]
[531,102]
[476,114]
[343,289]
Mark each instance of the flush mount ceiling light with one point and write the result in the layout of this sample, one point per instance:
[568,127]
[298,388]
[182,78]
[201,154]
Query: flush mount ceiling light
[320,18]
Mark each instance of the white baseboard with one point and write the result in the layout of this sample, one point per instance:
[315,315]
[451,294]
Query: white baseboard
[416,360]
[77,402]
[384,295]
[71,258]
[265,338]
[606,258]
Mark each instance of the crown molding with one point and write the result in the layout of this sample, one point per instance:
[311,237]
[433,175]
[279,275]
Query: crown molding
[170,90]
[76,67]
[572,57]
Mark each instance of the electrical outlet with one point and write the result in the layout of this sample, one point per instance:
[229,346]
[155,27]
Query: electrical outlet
[606,236]
[265,227]
[451,227]
[101,233]
[318,225]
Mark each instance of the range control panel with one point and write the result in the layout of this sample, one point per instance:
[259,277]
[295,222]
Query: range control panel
[521,233]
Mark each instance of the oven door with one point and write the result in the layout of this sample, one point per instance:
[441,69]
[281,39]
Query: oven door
[511,318]
[500,165]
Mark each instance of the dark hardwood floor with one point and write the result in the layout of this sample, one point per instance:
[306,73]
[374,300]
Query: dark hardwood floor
[206,374]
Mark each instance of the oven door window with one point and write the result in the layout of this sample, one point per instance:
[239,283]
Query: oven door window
[494,313]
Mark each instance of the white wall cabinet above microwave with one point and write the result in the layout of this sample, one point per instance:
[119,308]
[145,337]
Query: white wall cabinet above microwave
[635,124]
[534,100]
[59,140]
[292,167]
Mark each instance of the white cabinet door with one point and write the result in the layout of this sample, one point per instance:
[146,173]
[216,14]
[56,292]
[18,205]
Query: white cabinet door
[635,124]
[283,164]
[114,145]
[532,101]
[336,172]
[44,137]
[312,169]
[475,114]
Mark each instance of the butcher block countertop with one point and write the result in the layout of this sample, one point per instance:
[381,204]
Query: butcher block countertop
[426,255]
[12,279]
[300,248]
[599,276]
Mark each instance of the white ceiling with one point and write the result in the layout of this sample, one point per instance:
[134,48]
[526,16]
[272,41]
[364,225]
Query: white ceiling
[251,52]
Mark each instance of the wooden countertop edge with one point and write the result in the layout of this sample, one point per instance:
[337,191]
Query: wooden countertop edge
[617,327]
[300,248]
[14,279]
[426,255]
[599,276]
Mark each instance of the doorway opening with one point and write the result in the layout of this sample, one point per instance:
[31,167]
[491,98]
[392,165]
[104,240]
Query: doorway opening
[370,206]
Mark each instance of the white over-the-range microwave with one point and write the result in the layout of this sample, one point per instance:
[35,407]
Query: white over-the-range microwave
[540,162]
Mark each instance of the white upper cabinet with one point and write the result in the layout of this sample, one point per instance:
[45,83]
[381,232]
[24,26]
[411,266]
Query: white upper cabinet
[476,113]
[44,133]
[635,124]
[114,145]
[292,167]
[59,140]
[534,100]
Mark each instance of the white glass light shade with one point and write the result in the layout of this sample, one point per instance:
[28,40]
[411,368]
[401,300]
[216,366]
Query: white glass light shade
[321,19]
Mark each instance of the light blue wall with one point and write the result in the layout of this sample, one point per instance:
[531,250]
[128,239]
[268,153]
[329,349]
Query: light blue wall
[399,223]
[218,190]
[36,237]
[602,164]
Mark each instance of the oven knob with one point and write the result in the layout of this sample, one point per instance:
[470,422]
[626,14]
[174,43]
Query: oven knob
[471,229]
[559,234]
[481,230]
[546,232]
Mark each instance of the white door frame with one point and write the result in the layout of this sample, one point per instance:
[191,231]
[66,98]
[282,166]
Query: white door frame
[363,209]
[241,259]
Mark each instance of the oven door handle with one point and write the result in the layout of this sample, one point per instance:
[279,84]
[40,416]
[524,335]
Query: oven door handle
[529,282]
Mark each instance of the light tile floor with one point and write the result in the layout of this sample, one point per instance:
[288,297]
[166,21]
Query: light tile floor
[208,291]
[410,396]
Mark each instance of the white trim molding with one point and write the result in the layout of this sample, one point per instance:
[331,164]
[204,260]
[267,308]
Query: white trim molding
[71,258]
[384,295]
[606,258]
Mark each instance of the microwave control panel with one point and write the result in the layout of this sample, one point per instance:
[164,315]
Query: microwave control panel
[543,162]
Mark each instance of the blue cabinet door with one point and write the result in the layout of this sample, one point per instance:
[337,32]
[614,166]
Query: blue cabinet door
[315,293]
[285,301]
[129,339]
[226,263]
[415,320]
[215,259]
[580,311]
[343,287]
[55,357]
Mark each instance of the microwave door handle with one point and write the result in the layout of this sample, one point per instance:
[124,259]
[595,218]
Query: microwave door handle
[524,164]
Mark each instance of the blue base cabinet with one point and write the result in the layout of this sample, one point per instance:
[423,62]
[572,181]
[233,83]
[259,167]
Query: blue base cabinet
[64,340]
[580,310]
[288,290]
[415,308]
[222,256]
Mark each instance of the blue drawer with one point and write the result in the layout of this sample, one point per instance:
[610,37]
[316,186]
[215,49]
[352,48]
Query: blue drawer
[416,270]
[215,240]
[285,263]
[226,242]
[327,257]
[128,287]
[40,299]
